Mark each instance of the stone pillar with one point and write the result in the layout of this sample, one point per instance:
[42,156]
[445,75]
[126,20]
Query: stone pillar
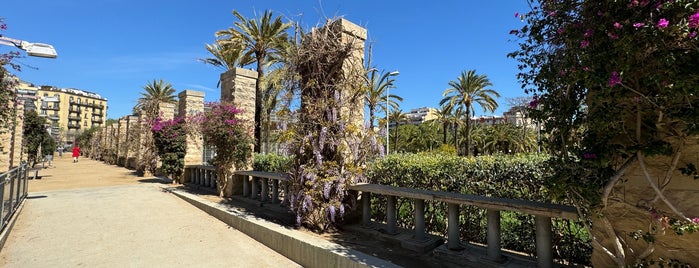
[191,103]
[122,142]
[238,87]
[131,140]
[353,67]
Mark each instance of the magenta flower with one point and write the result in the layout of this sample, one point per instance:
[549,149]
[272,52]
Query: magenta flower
[692,34]
[3,26]
[614,79]
[613,36]
[663,23]
[584,43]
[588,33]
[560,30]
[516,14]
[694,20]
[638,24]
[618,25]
[695,220]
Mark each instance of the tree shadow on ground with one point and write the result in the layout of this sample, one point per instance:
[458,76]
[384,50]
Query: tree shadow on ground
[160,180]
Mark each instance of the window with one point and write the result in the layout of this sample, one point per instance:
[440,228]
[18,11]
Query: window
[85,124]
[71,98]
[85,116]
[78,100]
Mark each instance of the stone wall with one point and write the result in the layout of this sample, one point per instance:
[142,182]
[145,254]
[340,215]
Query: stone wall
[630,212]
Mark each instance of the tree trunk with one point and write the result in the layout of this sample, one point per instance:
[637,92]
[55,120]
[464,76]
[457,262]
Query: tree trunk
[444,133]
[268,123]
[258,103]
[371,118]
[468,131]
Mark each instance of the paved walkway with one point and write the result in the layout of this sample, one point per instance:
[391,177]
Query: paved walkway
[94,215]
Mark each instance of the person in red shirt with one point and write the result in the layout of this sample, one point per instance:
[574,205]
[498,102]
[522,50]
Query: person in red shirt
[76,153]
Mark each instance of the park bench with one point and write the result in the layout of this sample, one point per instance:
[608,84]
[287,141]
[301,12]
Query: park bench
[543,213]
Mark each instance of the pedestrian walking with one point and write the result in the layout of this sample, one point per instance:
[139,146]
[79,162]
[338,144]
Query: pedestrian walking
[76,153]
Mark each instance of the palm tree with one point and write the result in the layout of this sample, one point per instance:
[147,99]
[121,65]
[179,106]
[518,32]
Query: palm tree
[272,88]
[397,117]
[443,118]
[227,55]
[262,39]
[377,87]
[155,93]
[470,89]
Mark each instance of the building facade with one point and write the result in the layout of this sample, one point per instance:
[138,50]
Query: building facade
[68,111]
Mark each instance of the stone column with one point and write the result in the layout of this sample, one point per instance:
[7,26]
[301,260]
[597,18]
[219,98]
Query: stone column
[131,140]
[122,141]
[353,67]
[238,87]
[191,103]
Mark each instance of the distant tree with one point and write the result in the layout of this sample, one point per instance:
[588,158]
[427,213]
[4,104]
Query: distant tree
[261,38]
[469,89]
[34,134]
[397,117]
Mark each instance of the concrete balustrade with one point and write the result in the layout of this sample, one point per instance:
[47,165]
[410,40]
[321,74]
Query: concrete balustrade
[200,175]
[543,213]
[264,186]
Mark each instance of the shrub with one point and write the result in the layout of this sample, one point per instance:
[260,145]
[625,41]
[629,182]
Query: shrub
[171,144]
[272,163]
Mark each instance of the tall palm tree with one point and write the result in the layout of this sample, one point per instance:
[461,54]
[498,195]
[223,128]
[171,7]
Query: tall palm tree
[469,89]
[227,55]
[397,117]
[155,93]
[272,88]
[261,38]
[377,87]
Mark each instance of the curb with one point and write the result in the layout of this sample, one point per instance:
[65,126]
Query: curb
[304,249]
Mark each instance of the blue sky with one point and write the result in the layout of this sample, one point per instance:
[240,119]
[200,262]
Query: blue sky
[114,47]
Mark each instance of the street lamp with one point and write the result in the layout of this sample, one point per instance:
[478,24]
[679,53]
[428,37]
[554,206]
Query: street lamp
[33,49]
[388,90]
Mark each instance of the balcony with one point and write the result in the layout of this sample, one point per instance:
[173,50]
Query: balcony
[73,126]
[74,118]
[74,109]
[51,99]
[97,113]
[96,120]
[93,105]
[48,107]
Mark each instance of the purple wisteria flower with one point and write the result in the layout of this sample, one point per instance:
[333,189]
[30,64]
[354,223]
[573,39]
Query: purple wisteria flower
[663,23]
[638,24]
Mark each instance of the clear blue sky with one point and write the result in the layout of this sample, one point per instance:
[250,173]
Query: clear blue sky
[114,47]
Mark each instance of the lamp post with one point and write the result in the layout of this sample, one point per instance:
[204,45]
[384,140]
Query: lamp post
[388,90]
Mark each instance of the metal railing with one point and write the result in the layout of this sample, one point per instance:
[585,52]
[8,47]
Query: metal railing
[13,190]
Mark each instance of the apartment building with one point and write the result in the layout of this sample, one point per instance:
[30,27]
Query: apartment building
[69,111]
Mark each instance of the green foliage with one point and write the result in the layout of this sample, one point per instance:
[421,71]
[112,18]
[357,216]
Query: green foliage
[34,135]
[517,177]
[170,140]
[272,163]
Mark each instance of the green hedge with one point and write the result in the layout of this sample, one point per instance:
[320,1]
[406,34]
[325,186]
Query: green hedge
[271,163]
[518,177]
